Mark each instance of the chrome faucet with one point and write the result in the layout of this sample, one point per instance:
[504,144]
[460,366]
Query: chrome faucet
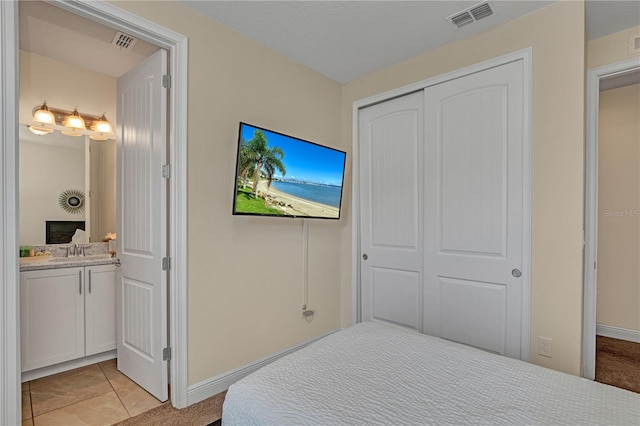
[75,250]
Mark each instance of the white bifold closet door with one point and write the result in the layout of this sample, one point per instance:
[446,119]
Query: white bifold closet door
[441,209]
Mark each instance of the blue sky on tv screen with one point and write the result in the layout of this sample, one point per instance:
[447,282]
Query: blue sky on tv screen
[303,160]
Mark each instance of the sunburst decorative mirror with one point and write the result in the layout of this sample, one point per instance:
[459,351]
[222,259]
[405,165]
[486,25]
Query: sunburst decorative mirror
[72,201]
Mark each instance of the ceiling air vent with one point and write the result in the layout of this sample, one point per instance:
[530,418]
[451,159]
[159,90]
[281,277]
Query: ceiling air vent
[124,41]
[462,19]
[471,15]
[481,11]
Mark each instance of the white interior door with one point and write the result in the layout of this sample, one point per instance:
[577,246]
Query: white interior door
[474,209]
[142,223]
[391,229]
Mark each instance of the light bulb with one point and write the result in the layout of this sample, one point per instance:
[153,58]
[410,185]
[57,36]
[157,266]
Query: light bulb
[43,115]
[74,121]
[102,125]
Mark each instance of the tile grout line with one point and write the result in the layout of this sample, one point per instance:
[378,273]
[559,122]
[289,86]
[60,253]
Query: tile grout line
[115,391]
[72,403]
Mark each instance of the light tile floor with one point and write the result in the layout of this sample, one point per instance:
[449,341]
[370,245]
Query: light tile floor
[97,394]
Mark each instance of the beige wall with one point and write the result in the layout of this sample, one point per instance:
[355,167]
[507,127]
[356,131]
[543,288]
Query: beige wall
[65,86]
[618,300]
[556,34]
[611,48]
[245,274]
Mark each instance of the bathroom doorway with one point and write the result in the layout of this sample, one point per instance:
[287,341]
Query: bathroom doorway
[176,46]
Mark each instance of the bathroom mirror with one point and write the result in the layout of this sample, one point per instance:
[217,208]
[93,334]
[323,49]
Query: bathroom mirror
[77,168]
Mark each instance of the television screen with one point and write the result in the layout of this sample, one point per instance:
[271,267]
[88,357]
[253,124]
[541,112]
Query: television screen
[279,175]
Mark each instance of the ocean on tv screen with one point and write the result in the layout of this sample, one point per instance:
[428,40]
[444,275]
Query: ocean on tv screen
[323,194]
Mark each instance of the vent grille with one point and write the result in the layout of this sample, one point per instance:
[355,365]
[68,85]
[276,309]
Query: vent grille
[124,41]
[471,15]
[462,19]
[481,11]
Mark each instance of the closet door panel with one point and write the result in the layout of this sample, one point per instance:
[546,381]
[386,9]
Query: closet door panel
[391,226]
[474,157]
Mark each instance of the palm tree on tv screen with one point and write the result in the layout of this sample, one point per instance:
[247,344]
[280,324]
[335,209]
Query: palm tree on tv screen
[257,158]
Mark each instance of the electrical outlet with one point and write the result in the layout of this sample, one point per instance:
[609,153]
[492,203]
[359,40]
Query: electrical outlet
[545,346]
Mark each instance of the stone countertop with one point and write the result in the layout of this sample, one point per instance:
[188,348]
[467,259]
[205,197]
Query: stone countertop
[50,262]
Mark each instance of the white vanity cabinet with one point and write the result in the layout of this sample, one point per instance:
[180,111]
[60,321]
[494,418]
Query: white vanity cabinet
[66,313]
[100,308]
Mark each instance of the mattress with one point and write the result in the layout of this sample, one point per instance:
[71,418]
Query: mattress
[374,373]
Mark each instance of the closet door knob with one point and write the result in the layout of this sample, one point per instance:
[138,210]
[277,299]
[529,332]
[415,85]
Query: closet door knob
[365,257]
[516,273]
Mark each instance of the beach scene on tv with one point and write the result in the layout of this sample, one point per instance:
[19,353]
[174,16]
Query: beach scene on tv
[279,175]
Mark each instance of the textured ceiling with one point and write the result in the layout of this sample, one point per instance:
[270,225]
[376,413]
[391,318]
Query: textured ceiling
[620,80]
[55,33]
[343,40]
[610,16]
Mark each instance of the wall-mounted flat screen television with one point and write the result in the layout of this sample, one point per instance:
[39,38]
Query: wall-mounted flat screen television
[283,176]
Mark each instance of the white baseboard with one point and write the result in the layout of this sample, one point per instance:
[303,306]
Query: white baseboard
[618,333]
[217,384]
[69,365]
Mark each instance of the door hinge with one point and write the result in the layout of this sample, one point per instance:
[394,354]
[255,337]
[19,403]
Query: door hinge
[166,354]
[166,81]
[166,171]
[166,263]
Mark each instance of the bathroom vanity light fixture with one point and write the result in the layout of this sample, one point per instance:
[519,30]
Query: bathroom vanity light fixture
[43,115]
[43,118]
[74,124]
[40,131]
[70,123]
[103,129]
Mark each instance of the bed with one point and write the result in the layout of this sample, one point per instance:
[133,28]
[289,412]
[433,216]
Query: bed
[376,373]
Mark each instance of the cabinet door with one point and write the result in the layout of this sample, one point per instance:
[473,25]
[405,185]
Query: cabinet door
[51,316]
[100,308]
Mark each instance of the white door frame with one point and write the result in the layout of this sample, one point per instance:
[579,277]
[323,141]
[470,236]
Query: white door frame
[10,395]
[594,76]
[526,56]
[176,45]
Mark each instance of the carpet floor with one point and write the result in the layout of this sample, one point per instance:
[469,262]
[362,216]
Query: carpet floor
[618,363]
[201,413]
